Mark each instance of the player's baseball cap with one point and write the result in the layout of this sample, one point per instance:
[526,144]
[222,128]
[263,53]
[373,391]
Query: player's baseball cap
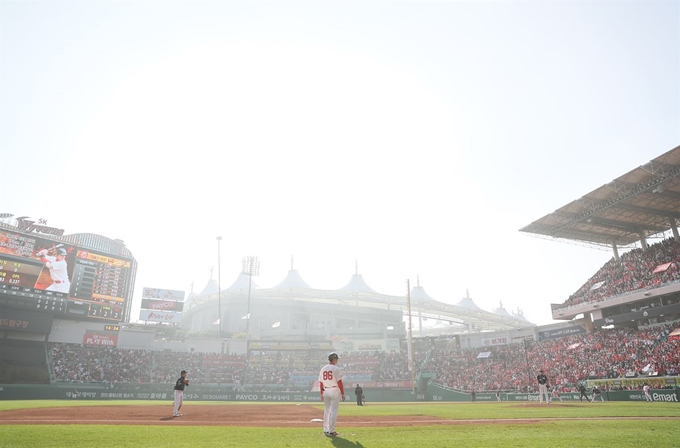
[541,370]
[183,372]
[333,356]
[61,251]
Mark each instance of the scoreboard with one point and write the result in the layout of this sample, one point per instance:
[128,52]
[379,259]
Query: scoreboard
[61,278]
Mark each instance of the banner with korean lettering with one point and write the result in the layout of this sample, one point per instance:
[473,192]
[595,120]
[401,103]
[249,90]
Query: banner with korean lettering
[25,321]
[560,332]
[105,340]
[160,316]
[487,342]
[164,294]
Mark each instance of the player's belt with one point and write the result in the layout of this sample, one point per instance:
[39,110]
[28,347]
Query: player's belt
[330,387]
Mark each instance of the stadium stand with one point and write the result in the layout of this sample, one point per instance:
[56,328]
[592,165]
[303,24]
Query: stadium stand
[635,271]
[602,354]
[610,353]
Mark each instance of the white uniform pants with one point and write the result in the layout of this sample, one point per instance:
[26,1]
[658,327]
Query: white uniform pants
[648,396]
[64,287]
[179,397]
[331,401]
[543,389]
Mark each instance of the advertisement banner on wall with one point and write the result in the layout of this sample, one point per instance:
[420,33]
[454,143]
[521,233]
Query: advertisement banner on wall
[487,342]
[366,345]
[106,340]
[25,321]
[163,294]
[560,332]
[160,316]
[162,305]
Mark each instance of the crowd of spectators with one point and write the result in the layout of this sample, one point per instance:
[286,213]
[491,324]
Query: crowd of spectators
[74,363]
[609,353]
[634,271]
[110,365]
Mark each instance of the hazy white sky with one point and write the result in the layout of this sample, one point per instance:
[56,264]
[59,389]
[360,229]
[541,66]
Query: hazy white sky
[415,137]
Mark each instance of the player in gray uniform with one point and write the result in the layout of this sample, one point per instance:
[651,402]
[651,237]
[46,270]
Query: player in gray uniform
[542,387]
[180,384]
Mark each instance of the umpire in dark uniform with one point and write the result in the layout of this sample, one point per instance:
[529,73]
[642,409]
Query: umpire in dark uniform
[359,393]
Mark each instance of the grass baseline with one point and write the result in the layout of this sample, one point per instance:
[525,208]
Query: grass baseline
[664,433]
[604,427]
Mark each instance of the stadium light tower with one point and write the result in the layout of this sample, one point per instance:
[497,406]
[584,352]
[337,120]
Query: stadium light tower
[219,288]
[251,266]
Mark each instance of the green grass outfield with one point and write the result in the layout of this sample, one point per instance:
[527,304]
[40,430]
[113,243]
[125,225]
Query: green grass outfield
[586,429]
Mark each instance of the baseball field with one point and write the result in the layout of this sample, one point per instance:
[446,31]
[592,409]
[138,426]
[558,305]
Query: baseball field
[110,424]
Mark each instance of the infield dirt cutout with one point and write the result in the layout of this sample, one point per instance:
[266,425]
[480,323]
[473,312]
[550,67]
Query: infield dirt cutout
[232,415]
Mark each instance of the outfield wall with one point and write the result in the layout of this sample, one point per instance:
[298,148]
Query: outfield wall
[438,393]
[165,393]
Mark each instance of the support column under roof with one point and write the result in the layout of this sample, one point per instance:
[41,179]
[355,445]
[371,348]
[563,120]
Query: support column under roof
[643,240]
[616,251]
[674,227]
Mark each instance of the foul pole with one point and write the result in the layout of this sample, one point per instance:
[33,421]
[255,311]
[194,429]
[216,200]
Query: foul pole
[410,337]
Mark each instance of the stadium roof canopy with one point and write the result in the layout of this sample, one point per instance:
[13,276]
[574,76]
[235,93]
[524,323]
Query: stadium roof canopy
[640,203]
[466,318]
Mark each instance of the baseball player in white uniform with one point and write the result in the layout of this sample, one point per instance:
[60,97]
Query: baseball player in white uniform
[332,390]
[646,390]
[58,270]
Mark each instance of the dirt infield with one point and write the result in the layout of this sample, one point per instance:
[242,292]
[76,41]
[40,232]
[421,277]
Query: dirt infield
[198,415]
[210,415]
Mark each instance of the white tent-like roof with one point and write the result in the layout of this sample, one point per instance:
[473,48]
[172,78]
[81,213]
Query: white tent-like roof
[357,284]
[502,311]
[466,302]
[418,293]
[241,284]
[293,281]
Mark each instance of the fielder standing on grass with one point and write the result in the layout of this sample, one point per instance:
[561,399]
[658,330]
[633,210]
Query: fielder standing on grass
[332,390]
[556,394]
[180,384]
[542,387]
[597,394]
[359,392]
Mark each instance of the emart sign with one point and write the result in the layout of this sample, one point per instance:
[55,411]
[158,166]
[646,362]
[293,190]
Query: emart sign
[656,396]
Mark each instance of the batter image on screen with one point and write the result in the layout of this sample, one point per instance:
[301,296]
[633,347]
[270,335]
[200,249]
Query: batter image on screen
[55,274]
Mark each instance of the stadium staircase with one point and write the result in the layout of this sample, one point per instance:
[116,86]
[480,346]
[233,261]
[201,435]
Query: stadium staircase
[424,376]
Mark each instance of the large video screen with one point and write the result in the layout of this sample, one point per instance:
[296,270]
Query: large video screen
[41,274]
